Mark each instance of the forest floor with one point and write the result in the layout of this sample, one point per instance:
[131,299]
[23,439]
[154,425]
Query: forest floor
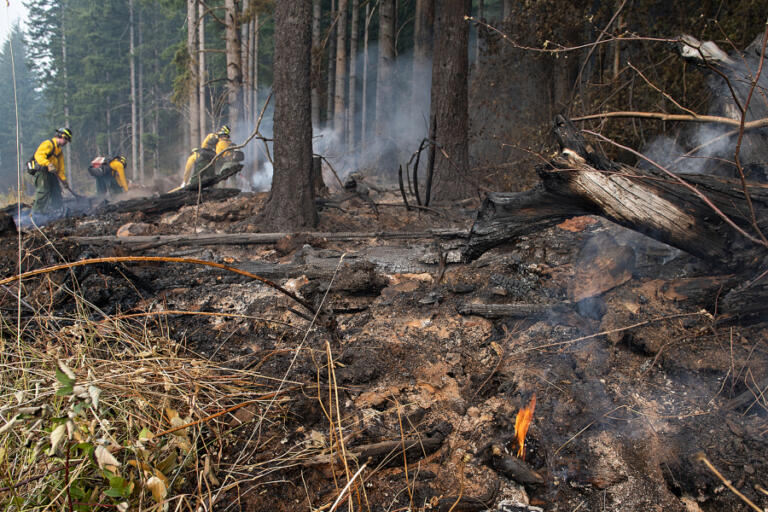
[633,380]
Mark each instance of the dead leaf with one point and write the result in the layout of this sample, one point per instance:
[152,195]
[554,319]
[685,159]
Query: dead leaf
[104,458]
[94,393]
[56,437]
[158,489]
[66,370]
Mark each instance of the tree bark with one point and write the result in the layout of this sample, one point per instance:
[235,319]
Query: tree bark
[132,62]
[140,87]
[352,93]
[450,101]
[194,104]
[340,88]
[364,101]
[201,69]
[317,61]
[291,202]
[385,87]
[234,65]
[331,66]
[422,60]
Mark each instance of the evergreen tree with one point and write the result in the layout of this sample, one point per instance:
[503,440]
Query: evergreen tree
[32,126]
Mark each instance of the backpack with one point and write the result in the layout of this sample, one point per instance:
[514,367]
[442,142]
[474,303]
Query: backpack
[100,167]
[33,166]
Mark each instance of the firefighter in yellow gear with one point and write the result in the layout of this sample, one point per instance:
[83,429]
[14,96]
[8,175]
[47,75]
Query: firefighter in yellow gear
[197,166]
[224,142]
[50,172]
[110,176]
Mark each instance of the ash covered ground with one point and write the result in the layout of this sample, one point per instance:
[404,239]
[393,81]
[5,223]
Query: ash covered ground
[635,380]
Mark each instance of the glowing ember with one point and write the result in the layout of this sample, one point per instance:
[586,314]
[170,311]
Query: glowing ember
[522,423]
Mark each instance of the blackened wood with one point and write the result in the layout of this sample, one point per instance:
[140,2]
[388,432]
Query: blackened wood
[510,310]
[514,468]
[168,202]
[647,201]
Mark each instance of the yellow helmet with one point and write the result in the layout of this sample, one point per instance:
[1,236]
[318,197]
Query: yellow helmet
[65,133]
[224,131]
[121,159]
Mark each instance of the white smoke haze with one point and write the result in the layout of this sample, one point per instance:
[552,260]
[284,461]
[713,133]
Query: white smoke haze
[404,127]
[710,147]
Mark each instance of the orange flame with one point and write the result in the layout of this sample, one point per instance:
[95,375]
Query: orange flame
[522,422]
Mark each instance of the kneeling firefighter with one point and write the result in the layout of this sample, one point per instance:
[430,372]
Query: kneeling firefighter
[109,174]
[198,164]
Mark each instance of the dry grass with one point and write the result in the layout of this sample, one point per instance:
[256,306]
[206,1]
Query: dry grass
[138,420]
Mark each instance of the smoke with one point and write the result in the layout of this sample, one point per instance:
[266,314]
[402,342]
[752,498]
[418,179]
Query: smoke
[710,148]
[386,142]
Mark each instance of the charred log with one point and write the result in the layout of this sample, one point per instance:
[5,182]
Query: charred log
[651,202]
[168,202]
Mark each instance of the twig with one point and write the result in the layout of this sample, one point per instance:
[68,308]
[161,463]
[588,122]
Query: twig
[703,458]
[221,413]
[346,487]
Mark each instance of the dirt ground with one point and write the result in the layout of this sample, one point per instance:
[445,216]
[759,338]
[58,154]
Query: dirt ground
[633,378]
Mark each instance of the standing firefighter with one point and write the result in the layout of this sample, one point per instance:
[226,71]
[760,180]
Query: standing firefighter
[47,166]
[109,174]
[198,164]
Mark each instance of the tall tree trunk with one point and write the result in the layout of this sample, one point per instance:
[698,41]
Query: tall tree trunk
[201,69]
[109,122]
[132,58]
[352,94]
[255,30]
[331,65]
[245,48]
[70,171]
[317,61]
[142,176]
[194,103]
[385,87]
[480,16]
[364,106]
[234,64]
[155,108]
[340,88]
[422,60]
[507,10]
[450,100]
[291,203]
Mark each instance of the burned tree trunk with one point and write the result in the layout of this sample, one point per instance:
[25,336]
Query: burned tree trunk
[703,215]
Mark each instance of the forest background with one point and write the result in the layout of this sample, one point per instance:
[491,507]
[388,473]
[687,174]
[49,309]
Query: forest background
[147,79]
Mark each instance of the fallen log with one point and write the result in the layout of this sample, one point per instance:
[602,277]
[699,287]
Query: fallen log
[511,310]
[582,182]
[168,202]
[150,241]
[186,196]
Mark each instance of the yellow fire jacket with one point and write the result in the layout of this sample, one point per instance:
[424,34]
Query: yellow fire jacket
[222,146]
[210,141]
[56,158]
[118,172]
[189,166]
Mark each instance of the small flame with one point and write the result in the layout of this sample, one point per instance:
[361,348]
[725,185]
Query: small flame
[522,423]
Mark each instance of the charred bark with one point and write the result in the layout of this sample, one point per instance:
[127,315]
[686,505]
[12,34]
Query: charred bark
[582,182]
[450,100]
[291,202]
